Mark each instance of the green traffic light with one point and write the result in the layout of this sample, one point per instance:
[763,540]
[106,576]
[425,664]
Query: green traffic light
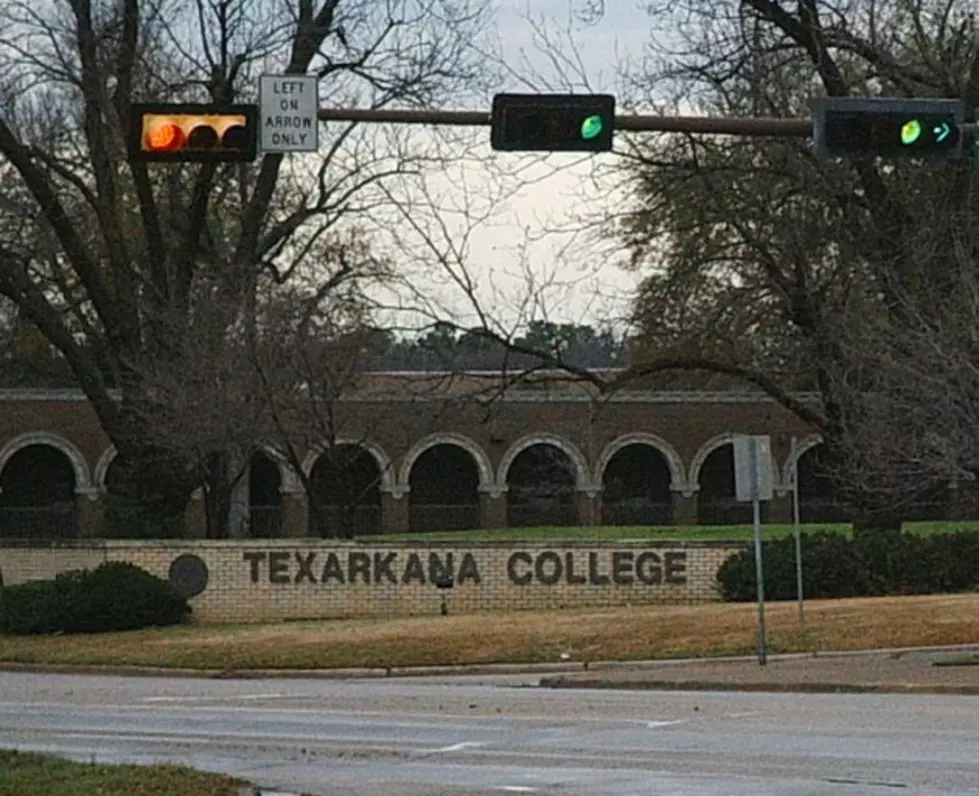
[910,132]
[591,127]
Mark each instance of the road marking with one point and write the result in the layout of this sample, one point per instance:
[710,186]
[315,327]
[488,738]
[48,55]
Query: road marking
[843,781]
[324,712]
[519,789]
[222,698]
[654,724]
[457,746]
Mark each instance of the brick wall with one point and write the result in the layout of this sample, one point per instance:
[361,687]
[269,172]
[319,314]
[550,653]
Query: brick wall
[277,579]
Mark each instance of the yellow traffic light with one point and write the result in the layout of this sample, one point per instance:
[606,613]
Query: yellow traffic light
[201,133]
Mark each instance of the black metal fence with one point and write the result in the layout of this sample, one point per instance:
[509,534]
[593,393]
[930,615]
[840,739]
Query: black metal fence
[727,511]
[824,510]
[265,522]
[45,523]
[637,512]
[424,517]
[536,515]
[343,521]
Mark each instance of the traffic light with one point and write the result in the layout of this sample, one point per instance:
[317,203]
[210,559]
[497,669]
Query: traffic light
[553,122]
[166,133]
[852,127]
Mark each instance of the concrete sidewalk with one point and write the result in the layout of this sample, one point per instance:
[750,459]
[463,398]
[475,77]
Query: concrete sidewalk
[888,672]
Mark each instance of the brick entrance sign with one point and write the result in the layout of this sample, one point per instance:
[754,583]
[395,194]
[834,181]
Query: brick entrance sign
[277,580]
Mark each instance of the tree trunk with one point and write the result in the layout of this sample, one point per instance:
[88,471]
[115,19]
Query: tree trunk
[218,489]
[150,493]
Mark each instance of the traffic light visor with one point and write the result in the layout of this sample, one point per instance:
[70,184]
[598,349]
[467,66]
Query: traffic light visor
[552,122]
[887,133]
[193,133]
[862,127]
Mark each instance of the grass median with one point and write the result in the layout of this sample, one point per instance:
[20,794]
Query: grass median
[26,774]
[631,633]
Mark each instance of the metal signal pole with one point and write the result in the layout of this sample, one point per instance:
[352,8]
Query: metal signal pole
[706,125]
[799,128]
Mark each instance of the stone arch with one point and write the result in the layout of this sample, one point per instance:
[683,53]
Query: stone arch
[483,465]
[290,483]
[693,483]
[808,443]
[83,478]
[678,481]
[384,464]
[289,480]
[582,476]
[348,481]
[102,468]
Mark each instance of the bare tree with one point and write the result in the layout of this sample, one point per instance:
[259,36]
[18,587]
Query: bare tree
[109,259]
[761,263]
[911,391]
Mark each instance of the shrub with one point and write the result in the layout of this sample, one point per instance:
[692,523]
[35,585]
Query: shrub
[30,608]
[114,596]
[866,565]
[830,568]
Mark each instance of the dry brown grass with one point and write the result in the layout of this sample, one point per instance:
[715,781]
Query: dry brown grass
[624,634]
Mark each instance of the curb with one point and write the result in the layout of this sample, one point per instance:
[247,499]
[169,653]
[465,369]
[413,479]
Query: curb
[807,688]
[570,667]
[257,674]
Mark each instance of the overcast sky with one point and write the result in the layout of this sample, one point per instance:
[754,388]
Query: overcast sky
[585,284]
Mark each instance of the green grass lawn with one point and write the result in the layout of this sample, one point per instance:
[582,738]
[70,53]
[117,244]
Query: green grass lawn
[692,533]
[27,774]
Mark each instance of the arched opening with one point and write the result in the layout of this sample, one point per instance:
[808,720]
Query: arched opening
[716,501]
[346,499]
[264,497]
[636,487]
[818,499]
[444,493]
[541,483]
[37,500]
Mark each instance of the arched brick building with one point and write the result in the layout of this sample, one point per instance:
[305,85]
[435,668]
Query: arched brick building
[451,457]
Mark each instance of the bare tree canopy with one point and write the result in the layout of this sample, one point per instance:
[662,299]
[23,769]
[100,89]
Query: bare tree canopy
[764,263]
[119,264]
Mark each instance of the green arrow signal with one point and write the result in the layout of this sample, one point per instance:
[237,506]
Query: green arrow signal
[941,132]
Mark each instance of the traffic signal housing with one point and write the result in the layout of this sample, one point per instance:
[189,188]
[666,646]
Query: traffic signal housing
[552,122]
[849,127]
[168,133]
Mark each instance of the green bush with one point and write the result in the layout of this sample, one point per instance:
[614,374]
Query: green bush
[114,596]
[830,568]
[834,565]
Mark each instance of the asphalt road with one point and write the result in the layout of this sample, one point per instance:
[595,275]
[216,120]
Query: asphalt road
[493,735]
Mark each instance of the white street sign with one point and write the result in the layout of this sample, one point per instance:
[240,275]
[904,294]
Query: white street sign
[288,105]
[752,463]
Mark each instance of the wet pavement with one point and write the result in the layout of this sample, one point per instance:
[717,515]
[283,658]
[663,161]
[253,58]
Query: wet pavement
[474,736]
